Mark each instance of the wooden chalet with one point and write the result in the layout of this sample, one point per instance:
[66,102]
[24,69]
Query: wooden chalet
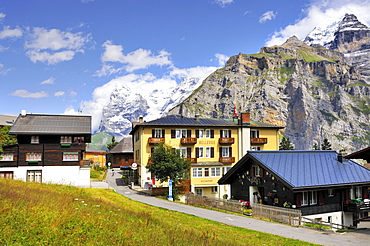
[50,149]
[322,184]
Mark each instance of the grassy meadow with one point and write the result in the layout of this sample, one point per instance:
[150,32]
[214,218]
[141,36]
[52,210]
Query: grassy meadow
[48,214]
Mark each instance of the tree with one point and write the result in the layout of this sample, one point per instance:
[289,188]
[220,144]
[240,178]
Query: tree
[326,145]
[5,138]
[110,146]
[315,146]
[167,163]
[285,144]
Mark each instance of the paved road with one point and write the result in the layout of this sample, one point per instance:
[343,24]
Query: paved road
[348,239]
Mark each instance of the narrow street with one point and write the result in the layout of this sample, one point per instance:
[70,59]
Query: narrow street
[361,237]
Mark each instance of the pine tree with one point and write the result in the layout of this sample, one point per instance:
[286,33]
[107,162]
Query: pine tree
[285,144]
[326,145]
[315,146]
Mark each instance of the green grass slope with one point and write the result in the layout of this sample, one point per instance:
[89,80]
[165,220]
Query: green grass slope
[46,214]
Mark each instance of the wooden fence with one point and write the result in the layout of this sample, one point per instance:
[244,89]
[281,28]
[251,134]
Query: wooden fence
[278,214]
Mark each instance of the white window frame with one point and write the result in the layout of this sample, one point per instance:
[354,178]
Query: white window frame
[197,172]
[208,152]
[226,169]
[304,200]
[201,133]
[257,171]
[65,139]
[79,139]
[215,172]
[208,133]
[34,176]
[70,156]
[255,134]
[313,197]
[183,151]
[158,133]
[225,133]
[181,133]
[225,151]
[214,189]
[356,192]
[35,139]
[201,152]
[9,156]
[199,191]
[33,156]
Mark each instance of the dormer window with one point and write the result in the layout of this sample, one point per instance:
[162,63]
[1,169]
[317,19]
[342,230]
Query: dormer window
[66,139]
[34,139]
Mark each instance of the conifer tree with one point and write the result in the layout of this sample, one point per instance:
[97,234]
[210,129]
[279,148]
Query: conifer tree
[285,144]
[326,145]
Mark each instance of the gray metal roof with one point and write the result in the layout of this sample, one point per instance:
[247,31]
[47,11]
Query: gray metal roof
[51,124]
[94,150]
[302,169]
[6,120]
[124,146]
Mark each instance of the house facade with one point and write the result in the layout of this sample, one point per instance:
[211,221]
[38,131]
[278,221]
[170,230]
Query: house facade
[96,156]
[322,184]
[50,149]
[212,146]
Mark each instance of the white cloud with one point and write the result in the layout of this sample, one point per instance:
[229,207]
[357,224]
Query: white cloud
[54,46]
[27,94]
[59,93]
[2,16]
[223,3]
[135,60]
[86,1]
[49,81]
[3,70]
[269,15]
[10,33]
[222,59]
[73,93]
[321,13]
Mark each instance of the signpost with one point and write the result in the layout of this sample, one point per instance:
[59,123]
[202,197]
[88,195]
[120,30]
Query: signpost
[170,190]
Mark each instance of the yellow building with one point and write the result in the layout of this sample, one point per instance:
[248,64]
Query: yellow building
[96,156]
[212,146]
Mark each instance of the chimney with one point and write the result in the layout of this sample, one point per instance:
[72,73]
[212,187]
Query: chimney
[141,119]
[341,155]
[246,118]
[196,117]
[23,113]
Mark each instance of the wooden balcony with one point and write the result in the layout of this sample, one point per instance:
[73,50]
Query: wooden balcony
[356,207]
[192,160]
[188,140]
[258,140]
[153,141]
[226,140]
[84,162]
[227,160]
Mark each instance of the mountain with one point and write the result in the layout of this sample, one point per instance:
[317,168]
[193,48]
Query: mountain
[312,91]
[128,103]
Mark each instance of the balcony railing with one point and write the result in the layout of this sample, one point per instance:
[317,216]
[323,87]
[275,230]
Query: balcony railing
[84,162]
[155,140]
[226,140]
[188,140]
[227,159]
[192,160]
[258,140]
[356,207]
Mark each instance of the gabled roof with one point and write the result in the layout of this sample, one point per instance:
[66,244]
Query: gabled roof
[94,150]
[36,124]
[177,120]
[361,154]
[124,146]
[305,169]
[6,120]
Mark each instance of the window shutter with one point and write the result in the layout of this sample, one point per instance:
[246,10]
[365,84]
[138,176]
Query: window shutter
[197,133]
[188,152]
[321,197]
[220,151]
[212,152]
[221,135]
[163,133]
[188,133]
[173,133]
[252,171]
[229,133]
[153,133]
[230,152]
[365,192]
[197,152]
[298,199]
[212,134]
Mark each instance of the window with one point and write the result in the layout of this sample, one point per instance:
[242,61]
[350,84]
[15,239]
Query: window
[200,152]
[158,133]
[33,156]
[200,133]
[226,169]
[255,148]
[137,136]
[330,192]
[225,152]
[356,192]
[225,133]
[208,152]
[34,139]
[78,139]
[34,176]
[208,133]
[214,189]
[215,172]
[137,154]
[304,200]
[256,171]
[199,191]
[313,197]
[6,156]
[70,156]
[66,139]
[183,151]
[255,134]
[197,172]
[181,133]
[7,175]
[206,172]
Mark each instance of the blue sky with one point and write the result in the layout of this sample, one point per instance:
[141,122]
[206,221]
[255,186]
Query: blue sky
[60,56]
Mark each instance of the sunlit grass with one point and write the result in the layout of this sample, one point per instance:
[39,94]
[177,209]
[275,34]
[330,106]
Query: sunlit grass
[46,214]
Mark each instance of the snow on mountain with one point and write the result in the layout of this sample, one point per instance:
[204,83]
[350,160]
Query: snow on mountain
[322,35]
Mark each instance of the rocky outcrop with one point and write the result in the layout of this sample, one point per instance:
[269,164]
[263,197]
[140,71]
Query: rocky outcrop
[310,90]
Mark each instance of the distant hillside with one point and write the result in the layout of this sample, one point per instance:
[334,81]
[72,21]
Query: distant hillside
[101,139]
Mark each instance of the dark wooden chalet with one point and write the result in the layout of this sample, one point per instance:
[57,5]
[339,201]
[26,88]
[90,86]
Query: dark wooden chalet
[315,182]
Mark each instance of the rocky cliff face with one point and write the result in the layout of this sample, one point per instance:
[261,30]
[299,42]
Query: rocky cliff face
[310,90]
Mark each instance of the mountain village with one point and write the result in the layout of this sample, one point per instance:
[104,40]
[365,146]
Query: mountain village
[235,155]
